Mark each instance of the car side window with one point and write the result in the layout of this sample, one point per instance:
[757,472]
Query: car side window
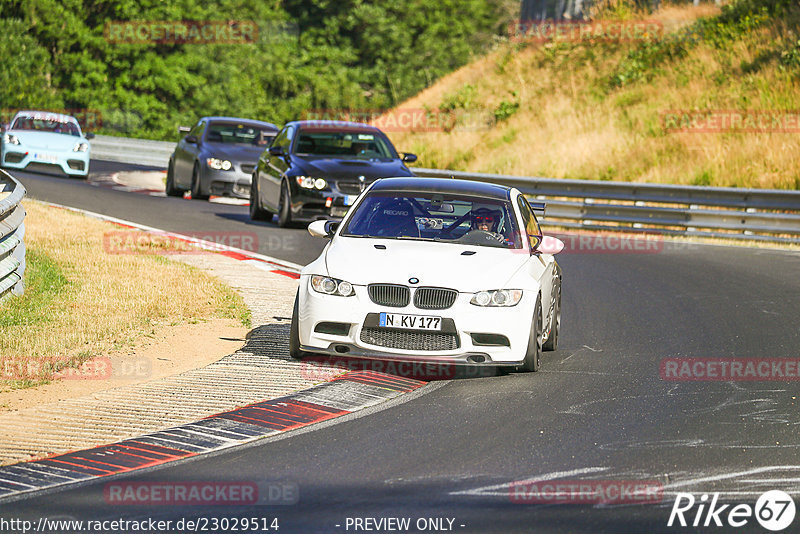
[531,224]
[289,136]
[197,131]
[280,139]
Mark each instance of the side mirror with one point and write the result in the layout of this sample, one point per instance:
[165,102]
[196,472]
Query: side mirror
[191,139]
[550,245]
[89,135]
[409,158]
[276,151]
[538,208]
[324,229]
[184,129]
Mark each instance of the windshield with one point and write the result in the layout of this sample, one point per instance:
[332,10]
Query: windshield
[46,123]
[348,144]
[436,217]
[238,133]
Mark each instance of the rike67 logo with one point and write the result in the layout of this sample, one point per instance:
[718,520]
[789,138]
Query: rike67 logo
[774,510]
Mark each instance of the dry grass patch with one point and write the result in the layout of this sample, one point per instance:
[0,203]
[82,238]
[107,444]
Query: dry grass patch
[81,301]
[595,110]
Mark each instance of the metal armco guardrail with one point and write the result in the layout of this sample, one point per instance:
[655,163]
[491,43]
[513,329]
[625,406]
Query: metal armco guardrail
[12,233]
[718,212]
[133,151]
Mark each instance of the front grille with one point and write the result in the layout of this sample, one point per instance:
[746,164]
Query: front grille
[44,167]
[220,188]
[247,168]
[434,298]
[396,339]
[14,157]
[349,188]
[389,295]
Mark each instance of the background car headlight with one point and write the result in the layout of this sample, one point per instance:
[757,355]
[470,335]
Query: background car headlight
[219,164]
[11,139]
[308,182]
[80,147]
[332,286]
[497,297]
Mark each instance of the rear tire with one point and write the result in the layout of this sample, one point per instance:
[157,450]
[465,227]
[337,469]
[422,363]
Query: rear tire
[294,332]
[197,193]
[285,209]
[171,190]
[555,326]
[533,355]
[257,213]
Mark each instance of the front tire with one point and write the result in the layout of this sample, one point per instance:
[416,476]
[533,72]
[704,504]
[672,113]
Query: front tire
[171,190]
[533,355]
[285,209]
[197,189]
[257,213]
[294,332]
[555,322]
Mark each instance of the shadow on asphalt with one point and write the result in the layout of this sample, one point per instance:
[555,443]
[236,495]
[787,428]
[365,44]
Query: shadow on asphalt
[244,217]
[273,340]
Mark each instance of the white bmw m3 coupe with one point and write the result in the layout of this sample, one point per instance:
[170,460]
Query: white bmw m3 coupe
[433,270]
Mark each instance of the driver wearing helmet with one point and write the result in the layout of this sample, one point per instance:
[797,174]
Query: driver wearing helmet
[487,220]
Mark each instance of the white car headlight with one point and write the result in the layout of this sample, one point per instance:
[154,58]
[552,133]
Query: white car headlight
[497,297]
[307,182]
[219,164]
[80,147]
[332,286]
[11,139]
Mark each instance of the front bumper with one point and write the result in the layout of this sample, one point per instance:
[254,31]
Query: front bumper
[233,183]
[360,337]
[72,163]
[311,204]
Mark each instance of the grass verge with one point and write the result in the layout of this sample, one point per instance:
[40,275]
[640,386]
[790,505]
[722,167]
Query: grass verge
[81,301]
[601,110]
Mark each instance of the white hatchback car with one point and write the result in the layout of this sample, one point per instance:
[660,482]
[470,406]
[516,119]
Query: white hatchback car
[437,270]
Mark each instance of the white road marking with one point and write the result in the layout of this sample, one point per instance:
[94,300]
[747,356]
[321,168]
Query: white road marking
[492,490]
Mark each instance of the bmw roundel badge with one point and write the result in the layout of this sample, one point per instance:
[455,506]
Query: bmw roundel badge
[413,280]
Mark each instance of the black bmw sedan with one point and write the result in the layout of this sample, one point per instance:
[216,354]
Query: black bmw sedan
[316,169]
[217,157]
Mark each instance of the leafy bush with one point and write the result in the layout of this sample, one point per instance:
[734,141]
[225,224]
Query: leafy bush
[505,110]
[310,54]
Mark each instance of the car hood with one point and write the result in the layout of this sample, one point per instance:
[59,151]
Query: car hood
[434,264]
[322,167]
[233,152]
[47,140]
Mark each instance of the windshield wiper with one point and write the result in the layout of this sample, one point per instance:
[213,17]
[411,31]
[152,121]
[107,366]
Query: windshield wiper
[412,238]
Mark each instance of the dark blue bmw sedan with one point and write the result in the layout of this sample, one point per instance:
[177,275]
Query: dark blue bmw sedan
[316,169]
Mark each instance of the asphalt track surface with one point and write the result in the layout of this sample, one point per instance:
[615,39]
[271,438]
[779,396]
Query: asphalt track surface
[599,409]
